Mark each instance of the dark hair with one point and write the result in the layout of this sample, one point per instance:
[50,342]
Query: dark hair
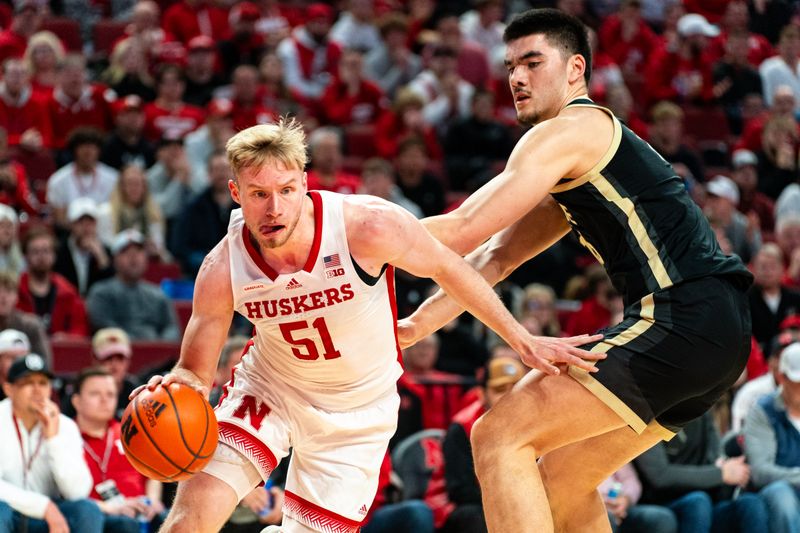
[37,232]
[85,135]
[561,30]
[85,374]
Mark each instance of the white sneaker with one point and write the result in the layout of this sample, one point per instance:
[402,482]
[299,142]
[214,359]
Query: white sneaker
[271,529]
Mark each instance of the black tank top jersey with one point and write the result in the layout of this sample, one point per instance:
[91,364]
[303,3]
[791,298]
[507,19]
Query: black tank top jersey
[632,212]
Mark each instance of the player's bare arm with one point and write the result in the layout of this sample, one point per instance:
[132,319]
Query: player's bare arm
[212,312]
[494,260]
[566,146]
[380,233]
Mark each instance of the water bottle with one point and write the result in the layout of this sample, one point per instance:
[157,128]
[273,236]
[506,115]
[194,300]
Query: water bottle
[268,507]
[615,491]
[144,522]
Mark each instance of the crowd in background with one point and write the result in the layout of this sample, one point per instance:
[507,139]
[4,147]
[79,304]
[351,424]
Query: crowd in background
[114,116]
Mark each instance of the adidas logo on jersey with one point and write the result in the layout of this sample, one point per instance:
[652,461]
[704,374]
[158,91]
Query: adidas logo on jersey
[363,509]
[293,284]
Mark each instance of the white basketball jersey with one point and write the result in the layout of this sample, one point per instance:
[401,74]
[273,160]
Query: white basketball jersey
[323,330]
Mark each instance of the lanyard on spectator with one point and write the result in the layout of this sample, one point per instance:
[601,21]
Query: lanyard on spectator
[26,463]
[103,465]
[83,190]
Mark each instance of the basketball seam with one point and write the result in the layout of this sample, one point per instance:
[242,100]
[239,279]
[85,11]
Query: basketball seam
[152,441]
[195,456]
[133,456]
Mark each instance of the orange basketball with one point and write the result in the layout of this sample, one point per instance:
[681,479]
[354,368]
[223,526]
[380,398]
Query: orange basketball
[169,434]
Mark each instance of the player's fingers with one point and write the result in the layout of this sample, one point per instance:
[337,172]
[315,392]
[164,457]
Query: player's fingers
[541,364]
[136,391]
[153,382]
[580,340]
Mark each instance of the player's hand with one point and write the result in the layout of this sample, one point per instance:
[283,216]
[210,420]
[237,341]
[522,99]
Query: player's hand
[56,523]
[274,517]
[256,500]
[178,375]
[547,353]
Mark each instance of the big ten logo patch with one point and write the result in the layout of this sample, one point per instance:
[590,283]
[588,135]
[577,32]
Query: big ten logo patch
[334,272]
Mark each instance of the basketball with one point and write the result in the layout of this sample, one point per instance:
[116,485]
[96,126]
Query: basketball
[170,433]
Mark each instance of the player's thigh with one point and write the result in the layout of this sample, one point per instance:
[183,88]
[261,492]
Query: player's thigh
[547,412]
[202,503]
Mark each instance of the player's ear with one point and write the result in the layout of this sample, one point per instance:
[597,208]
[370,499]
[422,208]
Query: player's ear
[304,181]
[577,67]
[234,188]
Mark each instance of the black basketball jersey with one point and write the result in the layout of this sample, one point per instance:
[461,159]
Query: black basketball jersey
[632,212]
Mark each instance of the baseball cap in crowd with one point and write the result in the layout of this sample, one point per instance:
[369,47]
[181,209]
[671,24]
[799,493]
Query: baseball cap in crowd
[318,10]
[28,364]
[170,137]
[8,213]
[131,102]
[111,341]
[696,24]
[502,371]
[200,43]
[790,362]
[724,187]
[244,11]
[14,341]
[219,108]
[81,207]
[743,157]
[790,322]
[126,238]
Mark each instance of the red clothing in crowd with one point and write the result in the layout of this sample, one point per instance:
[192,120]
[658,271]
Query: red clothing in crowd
[342,108]
[441,400]
[764,208]
[467,417]
[758,48]
[129,482]
[12,44]
[344,182]
[712,10]
[91,109]
[27,112]
[668,75]
[180,121]
[473,65]
[390,132]
[629,55]
[589,318]
[20,198]
[245,116]
[67,314]
[752,131]
[185,21]
[756,363]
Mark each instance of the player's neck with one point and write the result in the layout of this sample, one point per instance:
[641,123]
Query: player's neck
[93,428]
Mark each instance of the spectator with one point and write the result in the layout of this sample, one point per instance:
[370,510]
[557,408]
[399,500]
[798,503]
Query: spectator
[484,25]
[189,18]
[77,103]
[350,98]
[355,28]
[667,136]
[446,94]
[783,103]
[43,486]
[770,301]
[82,259]
[476,146]
[128,302]
[119,490]
[232,353]
[402,121]
[620,102]
[128,73]
[414,179]
[126,145]
[13,318]
[749,393]
[111,351]
[209,138]
[13,344]
[771,443]
[782,69]
[597,310]
[752,202]
[743,234]
[540,302]
[46,293]
[146,31]
[201,76]
[778,156]
[28,16]
[500,375]
[85,178]
[45,51]
[275,92]
[204,222]
[168,114]
[473,61]
[273,23]
[627,38]
[171,181]
[623,512]
[11,259]
[245,45]
[605,71]
[133,207]
[688,475]
[306,77]
[24,117]
[680,71]
[734,78]
[248,109]
[391,64]
[327,174]
[377,179]
[736,20]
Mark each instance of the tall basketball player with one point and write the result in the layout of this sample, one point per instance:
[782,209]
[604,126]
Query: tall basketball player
[313,273]
[685,336]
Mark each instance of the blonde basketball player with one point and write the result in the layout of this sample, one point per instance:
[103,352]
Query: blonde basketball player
[313,272]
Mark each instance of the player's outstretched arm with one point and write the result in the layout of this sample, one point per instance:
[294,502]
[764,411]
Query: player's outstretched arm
[382,232]
[494,260]
[212,312]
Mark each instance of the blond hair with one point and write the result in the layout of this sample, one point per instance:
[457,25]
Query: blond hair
[47,38]
[284,142]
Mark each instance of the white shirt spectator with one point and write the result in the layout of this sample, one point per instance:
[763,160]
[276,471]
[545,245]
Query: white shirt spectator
[66,185]
[491,38]
[747,397]
[776,72]
[438,107]
[351,33]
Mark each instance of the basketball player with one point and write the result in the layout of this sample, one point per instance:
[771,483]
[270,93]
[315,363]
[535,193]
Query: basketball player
[312,272]
[685,335]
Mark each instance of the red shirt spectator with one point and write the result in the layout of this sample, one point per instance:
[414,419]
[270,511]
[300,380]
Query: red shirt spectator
[403,121]
[27,19]
[247,107]
[627,39]
[325,147]
[189,18]
[67,313]
[129,482]
[168,113]
[341,182]
[92,108]
[680,76]
[351,99]
[20,110]
[15,190]
[758,48]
